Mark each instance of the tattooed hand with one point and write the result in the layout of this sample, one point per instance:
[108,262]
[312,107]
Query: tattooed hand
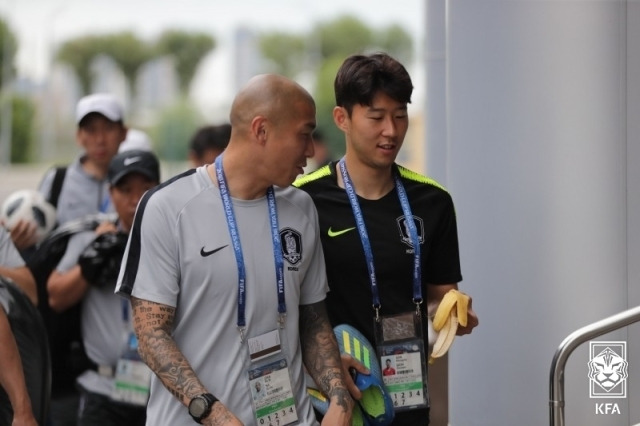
[322,358]
[349,363]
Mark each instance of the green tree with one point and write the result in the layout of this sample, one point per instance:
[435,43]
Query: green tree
[23,114]
[78,54]
[343,36]
[175,126]
[397,42]
[325,102]
[285,52]
[8,48]
[290,53]
[322,50]
[127,50]
[187,49]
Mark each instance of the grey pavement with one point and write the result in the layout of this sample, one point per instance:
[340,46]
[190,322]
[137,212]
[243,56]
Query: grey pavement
[16,177]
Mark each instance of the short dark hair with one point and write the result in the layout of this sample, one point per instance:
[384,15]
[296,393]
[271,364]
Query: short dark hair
[210,137]
[361,77]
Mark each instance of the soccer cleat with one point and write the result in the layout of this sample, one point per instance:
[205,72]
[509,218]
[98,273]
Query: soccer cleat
[375,407]
[321,404]
[451,311]
[357,418]
[376,404]
[318,400]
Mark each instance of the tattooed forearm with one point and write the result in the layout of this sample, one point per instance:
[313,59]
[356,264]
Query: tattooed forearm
[320,352]
[152,323]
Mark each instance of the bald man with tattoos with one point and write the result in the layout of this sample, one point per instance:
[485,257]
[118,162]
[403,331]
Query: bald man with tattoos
[226,276]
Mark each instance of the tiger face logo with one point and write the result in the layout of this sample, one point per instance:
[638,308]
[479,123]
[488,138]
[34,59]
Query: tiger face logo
[608,369]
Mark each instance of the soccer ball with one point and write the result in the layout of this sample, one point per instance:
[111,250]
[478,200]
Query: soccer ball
[29,205]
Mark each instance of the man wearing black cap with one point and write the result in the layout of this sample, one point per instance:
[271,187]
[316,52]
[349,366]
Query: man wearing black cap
[87,273]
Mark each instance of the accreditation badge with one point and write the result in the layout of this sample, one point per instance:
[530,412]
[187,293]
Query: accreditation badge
[270,382]
[402,356]
[132,377]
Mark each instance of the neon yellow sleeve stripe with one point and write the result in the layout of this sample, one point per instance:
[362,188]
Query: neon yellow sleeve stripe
[321,172]
[417,177]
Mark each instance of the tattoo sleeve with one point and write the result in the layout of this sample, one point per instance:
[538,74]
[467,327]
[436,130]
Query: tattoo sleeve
[152,323]
[320,352]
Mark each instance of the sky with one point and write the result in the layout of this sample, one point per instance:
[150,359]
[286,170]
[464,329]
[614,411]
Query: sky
[41,25]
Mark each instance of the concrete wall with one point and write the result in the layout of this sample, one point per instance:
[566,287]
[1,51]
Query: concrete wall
[532,124]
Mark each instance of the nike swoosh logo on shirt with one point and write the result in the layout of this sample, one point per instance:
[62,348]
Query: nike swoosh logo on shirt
[332,233]
[204,253]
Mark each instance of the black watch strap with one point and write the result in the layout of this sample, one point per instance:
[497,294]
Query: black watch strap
[200,406]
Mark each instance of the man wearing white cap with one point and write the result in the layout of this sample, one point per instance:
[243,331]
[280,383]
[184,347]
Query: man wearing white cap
[100,131]
[78,190]
[84,188]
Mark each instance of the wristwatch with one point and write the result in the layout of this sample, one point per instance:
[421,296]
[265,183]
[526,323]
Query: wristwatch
[200,406]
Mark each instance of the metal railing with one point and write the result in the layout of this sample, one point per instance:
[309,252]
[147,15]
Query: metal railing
[575,339]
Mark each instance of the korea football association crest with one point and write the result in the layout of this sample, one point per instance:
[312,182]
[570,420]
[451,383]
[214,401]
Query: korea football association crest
[403,228]
[608,369]
[291,242]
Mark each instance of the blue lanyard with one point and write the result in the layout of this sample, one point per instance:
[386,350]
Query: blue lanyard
[104,204]
[366,244]
[125,311]
[235,241]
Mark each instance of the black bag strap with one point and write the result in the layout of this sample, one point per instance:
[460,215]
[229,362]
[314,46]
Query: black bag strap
[56,186]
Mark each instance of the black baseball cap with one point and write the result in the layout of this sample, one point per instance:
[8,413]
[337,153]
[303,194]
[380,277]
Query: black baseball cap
[133,161]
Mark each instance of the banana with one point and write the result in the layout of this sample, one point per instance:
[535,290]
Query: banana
[445,337]
[447,303]
[451,312]
[462,306]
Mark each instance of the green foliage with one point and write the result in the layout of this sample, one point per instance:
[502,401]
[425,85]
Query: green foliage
[285,52]
[324,48]
[23,113]
[187,49]
[397,42]
[347,36]
[78,54]
[344,36]
[325,102]
[8,48]
[174,130]
[128,51]
[290,54]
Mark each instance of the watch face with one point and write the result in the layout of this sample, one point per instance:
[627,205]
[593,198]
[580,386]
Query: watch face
[198,406]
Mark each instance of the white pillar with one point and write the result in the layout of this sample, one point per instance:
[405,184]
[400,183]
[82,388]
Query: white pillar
[535,155]
[633,196]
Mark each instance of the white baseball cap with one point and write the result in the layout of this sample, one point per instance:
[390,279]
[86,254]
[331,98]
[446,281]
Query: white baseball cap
[102,103]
